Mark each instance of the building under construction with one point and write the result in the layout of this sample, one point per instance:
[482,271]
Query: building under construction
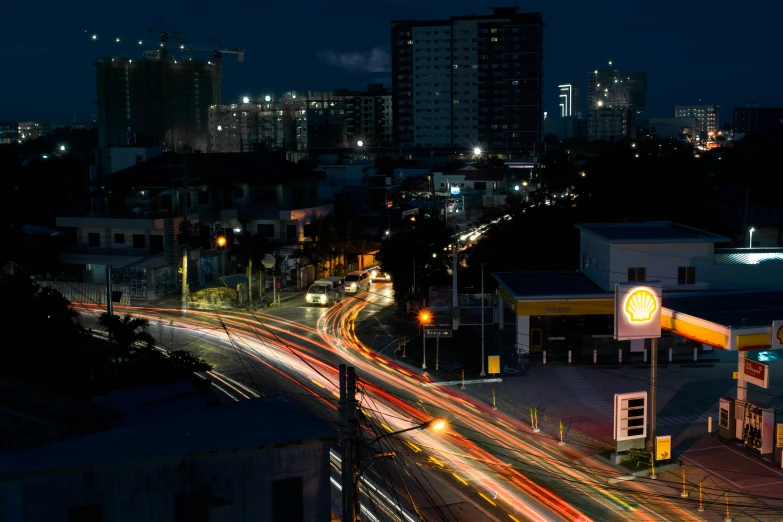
[289,123]
[158,100]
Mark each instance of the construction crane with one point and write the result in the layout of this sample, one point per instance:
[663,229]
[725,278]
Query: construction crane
[217,60]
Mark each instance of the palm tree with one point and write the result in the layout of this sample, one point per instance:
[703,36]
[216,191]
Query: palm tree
[127,332]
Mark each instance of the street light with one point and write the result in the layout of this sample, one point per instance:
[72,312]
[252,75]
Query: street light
[62,148]
[477,151]
[360,143]
[435,424]
[516,187]
[245,99]
[751,237]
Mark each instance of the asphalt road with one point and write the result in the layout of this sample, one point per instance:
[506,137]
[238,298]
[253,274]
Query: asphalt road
[485,465]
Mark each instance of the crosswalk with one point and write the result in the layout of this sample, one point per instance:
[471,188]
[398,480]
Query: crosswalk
[583,392]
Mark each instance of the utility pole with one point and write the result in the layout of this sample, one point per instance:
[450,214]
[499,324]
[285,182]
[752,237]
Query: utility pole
[482,321]
[185,288]
[653,387]
[455,293]
[249,281]
[347,442]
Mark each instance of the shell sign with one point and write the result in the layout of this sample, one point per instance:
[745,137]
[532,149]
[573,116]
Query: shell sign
[777,335]
[637,310]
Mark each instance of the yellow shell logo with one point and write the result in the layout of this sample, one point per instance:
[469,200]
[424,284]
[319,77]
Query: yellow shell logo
[780,335]
[640,305]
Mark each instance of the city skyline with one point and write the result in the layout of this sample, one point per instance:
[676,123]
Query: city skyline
[352,49]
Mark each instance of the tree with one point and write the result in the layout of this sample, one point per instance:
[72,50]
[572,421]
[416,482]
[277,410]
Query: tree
[127,332]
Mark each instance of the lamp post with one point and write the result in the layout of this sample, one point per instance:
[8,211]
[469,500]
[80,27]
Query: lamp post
[751,237]
[435,424]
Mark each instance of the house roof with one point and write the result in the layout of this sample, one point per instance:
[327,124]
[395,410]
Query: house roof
[650,232]
[241,425]
[203,169]
[544,285]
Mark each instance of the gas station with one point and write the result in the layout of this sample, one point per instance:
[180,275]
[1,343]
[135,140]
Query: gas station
[738,307]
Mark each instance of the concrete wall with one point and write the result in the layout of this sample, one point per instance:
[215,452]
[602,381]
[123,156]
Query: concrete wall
[661,261]
[595,259]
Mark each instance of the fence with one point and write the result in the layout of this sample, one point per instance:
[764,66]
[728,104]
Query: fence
[88,293]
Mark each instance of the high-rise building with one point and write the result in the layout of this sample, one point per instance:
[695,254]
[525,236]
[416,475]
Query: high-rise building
[30,130]
[154,101]
[705,118]
[619,91]
[569,99]
[755,119]
[469,81]
[368,115]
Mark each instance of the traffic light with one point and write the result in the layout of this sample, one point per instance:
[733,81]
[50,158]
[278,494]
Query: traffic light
[630,416]
[221,241]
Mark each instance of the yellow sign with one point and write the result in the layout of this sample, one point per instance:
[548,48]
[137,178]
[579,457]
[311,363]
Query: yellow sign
[663,447]
[735,375]
[640,305]
[566,307]
[780,436]
[493,364]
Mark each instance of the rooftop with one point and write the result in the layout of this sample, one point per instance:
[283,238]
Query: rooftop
[543,285]
[246,424]
[729,309]
[650,232]
[168,170]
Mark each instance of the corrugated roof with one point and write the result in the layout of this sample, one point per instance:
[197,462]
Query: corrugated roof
[245,424]
[650,232]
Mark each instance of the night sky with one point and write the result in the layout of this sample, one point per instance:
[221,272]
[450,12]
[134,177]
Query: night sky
[720,52]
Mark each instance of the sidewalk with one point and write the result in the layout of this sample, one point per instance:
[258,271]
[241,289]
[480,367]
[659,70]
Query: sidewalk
[581,396]
[287,297]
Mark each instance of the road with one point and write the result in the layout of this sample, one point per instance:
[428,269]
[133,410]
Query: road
[485,465]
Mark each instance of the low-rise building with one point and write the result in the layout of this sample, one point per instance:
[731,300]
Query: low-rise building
[610,124]
[260,460]
[9,132]
[138,223]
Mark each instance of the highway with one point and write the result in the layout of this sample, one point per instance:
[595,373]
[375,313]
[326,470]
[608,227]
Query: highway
[485,465]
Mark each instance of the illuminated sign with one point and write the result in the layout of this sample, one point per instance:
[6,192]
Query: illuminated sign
[777,335]
[630,416]
[493,364]
[663,447]
[637,311]
[756,373]
[455,190]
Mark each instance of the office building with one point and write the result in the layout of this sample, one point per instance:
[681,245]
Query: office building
[154,101]
[569,98]
[755,119]
[368,115]
[469,81]
[705,118]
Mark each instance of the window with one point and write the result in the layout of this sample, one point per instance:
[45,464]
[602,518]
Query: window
[287,500]
[266,230]
[265,196]
[156,243]
[86,513]
[686,275]
[636,274]
[119,239]
[139,241]
[94,239]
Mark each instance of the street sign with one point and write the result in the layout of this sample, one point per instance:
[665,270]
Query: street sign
[437,332]
[756,373]
[493,364]
[663,447]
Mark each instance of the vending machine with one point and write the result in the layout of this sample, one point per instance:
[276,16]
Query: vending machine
[758,428]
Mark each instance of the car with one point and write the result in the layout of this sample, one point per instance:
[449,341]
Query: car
[324,292]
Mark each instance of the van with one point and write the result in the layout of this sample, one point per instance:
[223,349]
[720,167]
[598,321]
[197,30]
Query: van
[357,282]
[325,292]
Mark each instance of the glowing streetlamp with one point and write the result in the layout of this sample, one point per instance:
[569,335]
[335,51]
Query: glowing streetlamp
[434,424]
[62,148]
[360,143]
[751,237]
[267,98]
[424,319]
[477,151]
[245,99]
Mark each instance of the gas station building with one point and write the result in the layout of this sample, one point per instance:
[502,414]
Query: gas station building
[724,298]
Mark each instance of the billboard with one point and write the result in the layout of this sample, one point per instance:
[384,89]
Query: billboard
[637,310]
[440,298]
[756,373]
